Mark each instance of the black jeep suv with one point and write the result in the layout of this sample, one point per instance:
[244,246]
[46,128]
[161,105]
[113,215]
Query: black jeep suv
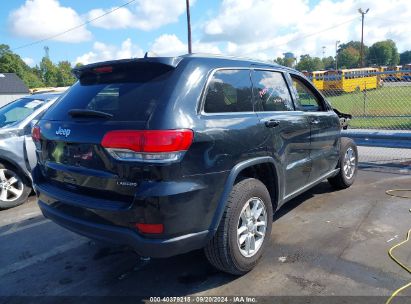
[168,155]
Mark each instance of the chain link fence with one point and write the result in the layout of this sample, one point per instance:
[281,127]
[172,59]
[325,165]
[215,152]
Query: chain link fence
[379,100]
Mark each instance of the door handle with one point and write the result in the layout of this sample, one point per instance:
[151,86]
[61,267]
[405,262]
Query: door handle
[314,121]
[272,123]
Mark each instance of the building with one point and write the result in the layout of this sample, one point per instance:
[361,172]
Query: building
[11,88]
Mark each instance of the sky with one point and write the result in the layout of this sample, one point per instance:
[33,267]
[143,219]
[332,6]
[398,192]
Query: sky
[262,29]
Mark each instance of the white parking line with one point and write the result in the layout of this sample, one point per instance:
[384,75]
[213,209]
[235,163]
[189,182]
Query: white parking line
[18,218]
[41,257]
[17,228]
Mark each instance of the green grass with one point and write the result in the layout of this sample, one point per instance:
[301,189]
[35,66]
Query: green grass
[385,101]
[390,123]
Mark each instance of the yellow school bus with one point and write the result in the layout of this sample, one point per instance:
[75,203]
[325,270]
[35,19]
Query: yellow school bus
[406,72]
[383,72]
[316,77]
[350,80]
[394,73]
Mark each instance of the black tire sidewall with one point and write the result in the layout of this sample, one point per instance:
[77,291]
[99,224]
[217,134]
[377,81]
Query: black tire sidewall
[248,188]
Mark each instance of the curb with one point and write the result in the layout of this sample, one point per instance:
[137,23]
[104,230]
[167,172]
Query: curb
[385,139]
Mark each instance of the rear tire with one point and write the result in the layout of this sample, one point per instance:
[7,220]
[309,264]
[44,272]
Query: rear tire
[347,163]
[14,189]
[244,229]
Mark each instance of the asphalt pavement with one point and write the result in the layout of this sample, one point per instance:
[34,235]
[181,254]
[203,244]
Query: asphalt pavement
[324,243]
[387,158]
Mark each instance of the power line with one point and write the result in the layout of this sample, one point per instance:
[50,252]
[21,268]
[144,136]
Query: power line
[312,34]
[388,20]
[316,33]
[74,28]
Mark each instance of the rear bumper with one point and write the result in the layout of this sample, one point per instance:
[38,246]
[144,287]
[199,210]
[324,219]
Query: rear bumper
[156,248]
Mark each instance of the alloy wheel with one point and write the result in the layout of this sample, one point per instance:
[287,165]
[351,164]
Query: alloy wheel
[251,227]
[349,163]
[11,186]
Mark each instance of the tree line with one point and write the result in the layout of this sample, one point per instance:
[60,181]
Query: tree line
[381,53]
[46,74]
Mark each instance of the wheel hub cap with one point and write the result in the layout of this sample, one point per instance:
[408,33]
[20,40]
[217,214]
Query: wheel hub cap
[349,163]
[251,227]
[11,186]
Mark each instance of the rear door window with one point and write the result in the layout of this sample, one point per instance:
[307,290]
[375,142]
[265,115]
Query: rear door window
[229,91]
[271,91]
[127,93]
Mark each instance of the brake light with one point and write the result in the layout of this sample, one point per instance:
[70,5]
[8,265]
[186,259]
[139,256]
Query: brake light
[36,134]
[104,69]
[148,145]
[150,228]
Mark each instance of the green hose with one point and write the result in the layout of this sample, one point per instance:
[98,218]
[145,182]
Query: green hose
[394,192]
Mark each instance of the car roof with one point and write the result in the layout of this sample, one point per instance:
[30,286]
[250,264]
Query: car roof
[205,59]
[43,96]
[222,60]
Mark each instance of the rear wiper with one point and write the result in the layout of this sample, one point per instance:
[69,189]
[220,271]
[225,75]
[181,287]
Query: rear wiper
[89,113]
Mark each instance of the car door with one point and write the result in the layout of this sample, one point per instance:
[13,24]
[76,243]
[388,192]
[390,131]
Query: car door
[324,127]
[230,124]
[287,130]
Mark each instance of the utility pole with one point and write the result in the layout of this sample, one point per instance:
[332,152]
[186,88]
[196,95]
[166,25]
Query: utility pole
[324,51]
[362,36]
[336,54]
[188,26]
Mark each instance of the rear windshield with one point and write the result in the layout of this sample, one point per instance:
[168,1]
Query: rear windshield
[128,94]
[18,110]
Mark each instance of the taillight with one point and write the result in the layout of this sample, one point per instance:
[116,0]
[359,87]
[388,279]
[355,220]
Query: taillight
[150,228]
[36,134]
[149,145]
[103,69]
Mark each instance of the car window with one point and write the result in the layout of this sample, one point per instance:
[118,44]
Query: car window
[229,91]
[107,100]
[271,91]
[128,94]
[306,98]
[18,110]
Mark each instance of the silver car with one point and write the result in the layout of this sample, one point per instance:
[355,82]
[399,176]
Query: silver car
[17,150]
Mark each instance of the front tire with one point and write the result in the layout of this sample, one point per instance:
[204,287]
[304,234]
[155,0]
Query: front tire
[347,163]
[13,187]
[244,229]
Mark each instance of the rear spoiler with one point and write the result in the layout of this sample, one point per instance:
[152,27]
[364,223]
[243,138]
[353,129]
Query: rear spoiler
[170,62]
